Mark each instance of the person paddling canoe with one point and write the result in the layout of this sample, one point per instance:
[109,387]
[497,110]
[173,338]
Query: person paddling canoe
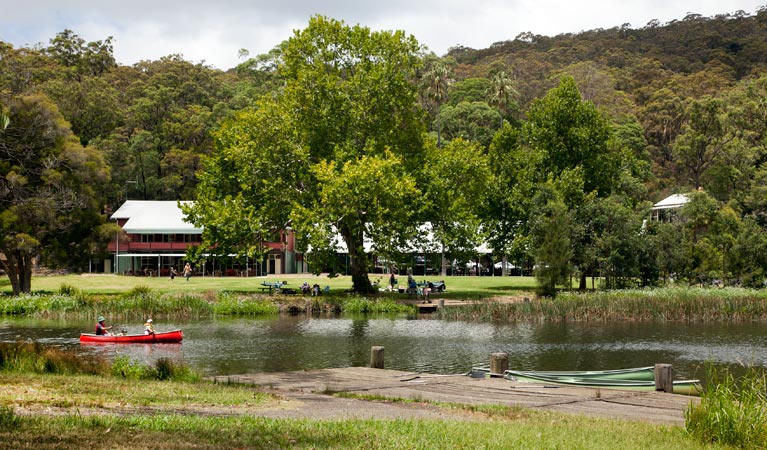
[101,329]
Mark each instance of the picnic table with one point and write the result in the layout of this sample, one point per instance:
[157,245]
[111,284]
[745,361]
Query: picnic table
[271,285]
[436,286]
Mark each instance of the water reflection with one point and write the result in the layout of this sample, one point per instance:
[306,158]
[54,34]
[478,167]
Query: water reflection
[236,345]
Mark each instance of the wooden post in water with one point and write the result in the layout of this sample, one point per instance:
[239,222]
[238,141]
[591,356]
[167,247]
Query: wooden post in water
[377,357]
[664,378]
[499,363]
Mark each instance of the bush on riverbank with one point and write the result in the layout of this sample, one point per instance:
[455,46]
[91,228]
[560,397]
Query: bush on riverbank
[141,302]
[672,304]
[731,412]
[164,369]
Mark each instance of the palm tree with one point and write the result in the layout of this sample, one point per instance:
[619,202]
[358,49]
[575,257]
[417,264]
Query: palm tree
[502,93]
[437,82]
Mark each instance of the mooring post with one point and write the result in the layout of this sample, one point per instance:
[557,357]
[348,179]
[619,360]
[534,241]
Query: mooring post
[499,363]
[377,357]
[664,378]
[441,303]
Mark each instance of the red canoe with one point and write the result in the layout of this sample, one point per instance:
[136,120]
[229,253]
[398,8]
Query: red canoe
[167,337]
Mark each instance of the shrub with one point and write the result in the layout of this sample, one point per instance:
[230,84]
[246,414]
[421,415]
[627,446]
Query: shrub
[68,290]
[125,367]
[167,369]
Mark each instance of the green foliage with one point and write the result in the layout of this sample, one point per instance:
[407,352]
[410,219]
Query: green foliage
[553,231]
[341,138]
[47,204]
[26,357]
[125,367]
[469,90]
[232,304]
[68,290]
[472,121]
[8,418]
[668,304]
[364,305]
[39,304]
[572,134]
[165,369]
[731,412]
[168,369]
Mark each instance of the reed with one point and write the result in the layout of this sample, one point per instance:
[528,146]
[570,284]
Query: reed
[677,304]
[731,412]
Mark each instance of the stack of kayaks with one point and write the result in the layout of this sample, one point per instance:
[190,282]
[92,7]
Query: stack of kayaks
[642,378]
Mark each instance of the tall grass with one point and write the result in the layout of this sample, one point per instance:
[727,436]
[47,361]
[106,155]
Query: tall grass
[731,412]
[675,304]
[141,302]
[164,369]
[228,303]
[26,357]
[366,306]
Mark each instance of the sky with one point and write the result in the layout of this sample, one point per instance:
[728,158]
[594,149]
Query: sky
[214,31]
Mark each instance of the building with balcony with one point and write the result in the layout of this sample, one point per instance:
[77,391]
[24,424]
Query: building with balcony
[155,237]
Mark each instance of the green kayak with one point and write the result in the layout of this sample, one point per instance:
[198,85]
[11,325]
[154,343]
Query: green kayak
[633,374]
[641,378]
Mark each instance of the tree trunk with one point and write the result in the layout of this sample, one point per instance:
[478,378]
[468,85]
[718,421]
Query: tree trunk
[582,283]
[357,262]
[18,267]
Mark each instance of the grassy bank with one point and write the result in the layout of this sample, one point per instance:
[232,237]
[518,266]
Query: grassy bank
[48,411]
[506,302]
[141,302]
[672,304]
[176,431]
[46,404]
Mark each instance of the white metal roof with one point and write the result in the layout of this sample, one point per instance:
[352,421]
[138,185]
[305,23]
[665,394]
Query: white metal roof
[672,201]
[154,217]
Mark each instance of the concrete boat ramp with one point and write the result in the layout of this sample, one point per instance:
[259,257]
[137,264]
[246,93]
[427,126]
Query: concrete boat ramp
[649,406]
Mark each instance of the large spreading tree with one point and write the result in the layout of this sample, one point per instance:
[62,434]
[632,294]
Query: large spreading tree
[49,205]
[338,152]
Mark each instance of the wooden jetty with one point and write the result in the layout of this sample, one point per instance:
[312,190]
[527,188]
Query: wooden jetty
[656,407]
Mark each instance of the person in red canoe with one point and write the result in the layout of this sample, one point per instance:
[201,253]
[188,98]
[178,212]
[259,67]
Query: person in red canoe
[101,329]
[148,327]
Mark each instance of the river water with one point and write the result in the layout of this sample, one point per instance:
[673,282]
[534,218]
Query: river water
[238,345]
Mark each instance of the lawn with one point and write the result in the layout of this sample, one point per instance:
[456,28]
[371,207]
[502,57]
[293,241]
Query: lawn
[464,287]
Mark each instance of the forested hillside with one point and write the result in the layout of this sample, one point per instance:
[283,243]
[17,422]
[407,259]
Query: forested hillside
[666,108]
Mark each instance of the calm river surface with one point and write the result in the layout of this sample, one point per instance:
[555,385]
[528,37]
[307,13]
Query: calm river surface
[234,346]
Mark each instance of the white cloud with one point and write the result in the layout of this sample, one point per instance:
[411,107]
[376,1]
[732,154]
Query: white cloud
[215,31]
